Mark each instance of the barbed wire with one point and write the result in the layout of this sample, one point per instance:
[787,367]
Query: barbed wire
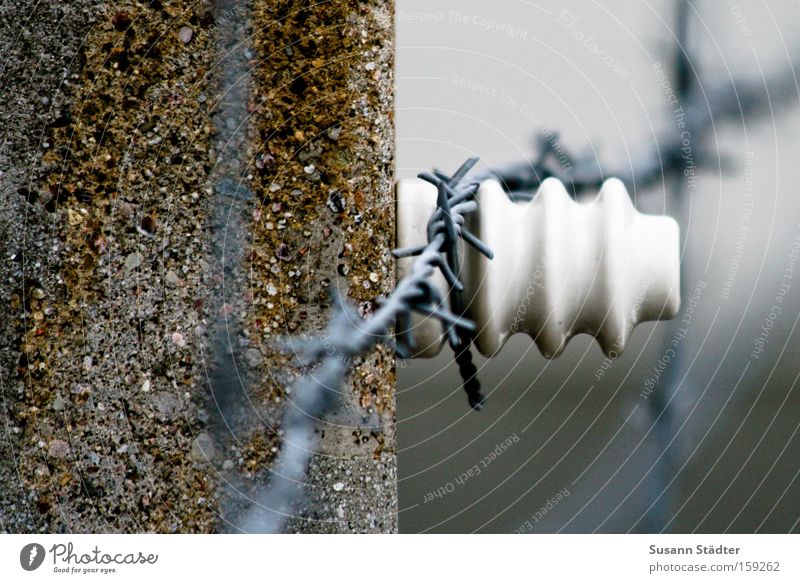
[700,107]
[703,105]
[348,335]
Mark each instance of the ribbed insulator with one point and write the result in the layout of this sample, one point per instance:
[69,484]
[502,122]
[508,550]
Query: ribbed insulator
[560,267]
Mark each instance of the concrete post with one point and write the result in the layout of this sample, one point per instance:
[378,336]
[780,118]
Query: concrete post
[163,221]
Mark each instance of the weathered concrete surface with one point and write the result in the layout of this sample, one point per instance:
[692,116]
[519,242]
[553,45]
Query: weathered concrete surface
[101,377]
[110,276]
[324,159]
[32,62]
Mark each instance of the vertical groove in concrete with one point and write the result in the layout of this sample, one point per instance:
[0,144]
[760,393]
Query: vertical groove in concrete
[243,433]
[230,220]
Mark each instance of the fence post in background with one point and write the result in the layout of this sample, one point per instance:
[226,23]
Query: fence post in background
[663,403]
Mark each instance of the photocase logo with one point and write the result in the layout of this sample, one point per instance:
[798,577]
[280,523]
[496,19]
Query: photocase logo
[31,556]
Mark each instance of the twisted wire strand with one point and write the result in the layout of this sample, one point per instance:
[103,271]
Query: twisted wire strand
[348,335]
[736,99]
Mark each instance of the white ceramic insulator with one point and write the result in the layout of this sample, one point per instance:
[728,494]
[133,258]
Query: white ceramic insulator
[560,267]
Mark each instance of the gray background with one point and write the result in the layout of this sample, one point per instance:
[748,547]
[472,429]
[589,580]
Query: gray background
[465,88]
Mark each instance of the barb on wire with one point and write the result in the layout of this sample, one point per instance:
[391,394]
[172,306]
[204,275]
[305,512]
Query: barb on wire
[703,106]
[348,335]
[452,203]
